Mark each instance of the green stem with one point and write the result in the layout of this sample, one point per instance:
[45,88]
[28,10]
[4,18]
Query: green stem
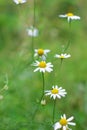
[32,47]
[41,96]
[43,85]
[68,44]
[34,13]
[61,62]
[70,23]
[69,41]
[34,8]
[54,110]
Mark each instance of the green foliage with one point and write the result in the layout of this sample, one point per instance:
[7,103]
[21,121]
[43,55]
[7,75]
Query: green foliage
[21,100]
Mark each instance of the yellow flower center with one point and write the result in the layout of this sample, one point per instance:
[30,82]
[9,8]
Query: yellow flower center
[63,122]
[40,52]
[42,64]
[61,56]
[19,1]
[54,91]
[70,14]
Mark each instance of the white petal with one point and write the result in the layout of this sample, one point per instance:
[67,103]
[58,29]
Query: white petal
[57,56]
[54,97]
[64,128]
[36,69]
[49,69]
[71,123]
[48,94]
[58,96]
[63,16]
[64,116]
[57,126]
[71,118]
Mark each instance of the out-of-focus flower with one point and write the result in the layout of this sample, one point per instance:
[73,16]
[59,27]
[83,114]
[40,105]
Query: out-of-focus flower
[19,1]
[63,123]
[43,66]
[1,97]
[41,53]
[70,16]
[63,56]
[33,32]
[56,92]
[43,102]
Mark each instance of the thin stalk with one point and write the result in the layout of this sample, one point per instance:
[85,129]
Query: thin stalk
[54,104]
[34,13]
[32,46]
[69,41]
[68,44]
[43,88]
[61,63]
[43,85]
[34,9]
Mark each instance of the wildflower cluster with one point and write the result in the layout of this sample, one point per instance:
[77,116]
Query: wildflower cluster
[42,65]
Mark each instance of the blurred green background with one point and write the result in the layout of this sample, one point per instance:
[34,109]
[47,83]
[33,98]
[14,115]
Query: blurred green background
[20,102]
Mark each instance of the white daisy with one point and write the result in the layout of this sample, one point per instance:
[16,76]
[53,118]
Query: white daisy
[63,56]
[56,92]
[41,53]
[19,1]
[63,123]
[43,66]
[70,16]
[33,32]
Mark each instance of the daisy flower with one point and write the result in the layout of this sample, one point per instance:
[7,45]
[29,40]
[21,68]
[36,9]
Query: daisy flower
[19,1]
[69,16]
[41,53]
[56,92]
[63,123]
[63,56]
[33,32]
[43,66]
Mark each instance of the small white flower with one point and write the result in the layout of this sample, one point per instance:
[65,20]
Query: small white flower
[63,56]
[43,66]
[70,16]
[43,102]
[33,32]
[56,92]
[63,123]
[41,53]
[19,1]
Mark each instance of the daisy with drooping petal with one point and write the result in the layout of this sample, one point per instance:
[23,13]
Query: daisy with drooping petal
[56,92]
[63,123]
[41,53]
[43,66]
[70,16]
[19,1]
[33,32]
[63,56]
